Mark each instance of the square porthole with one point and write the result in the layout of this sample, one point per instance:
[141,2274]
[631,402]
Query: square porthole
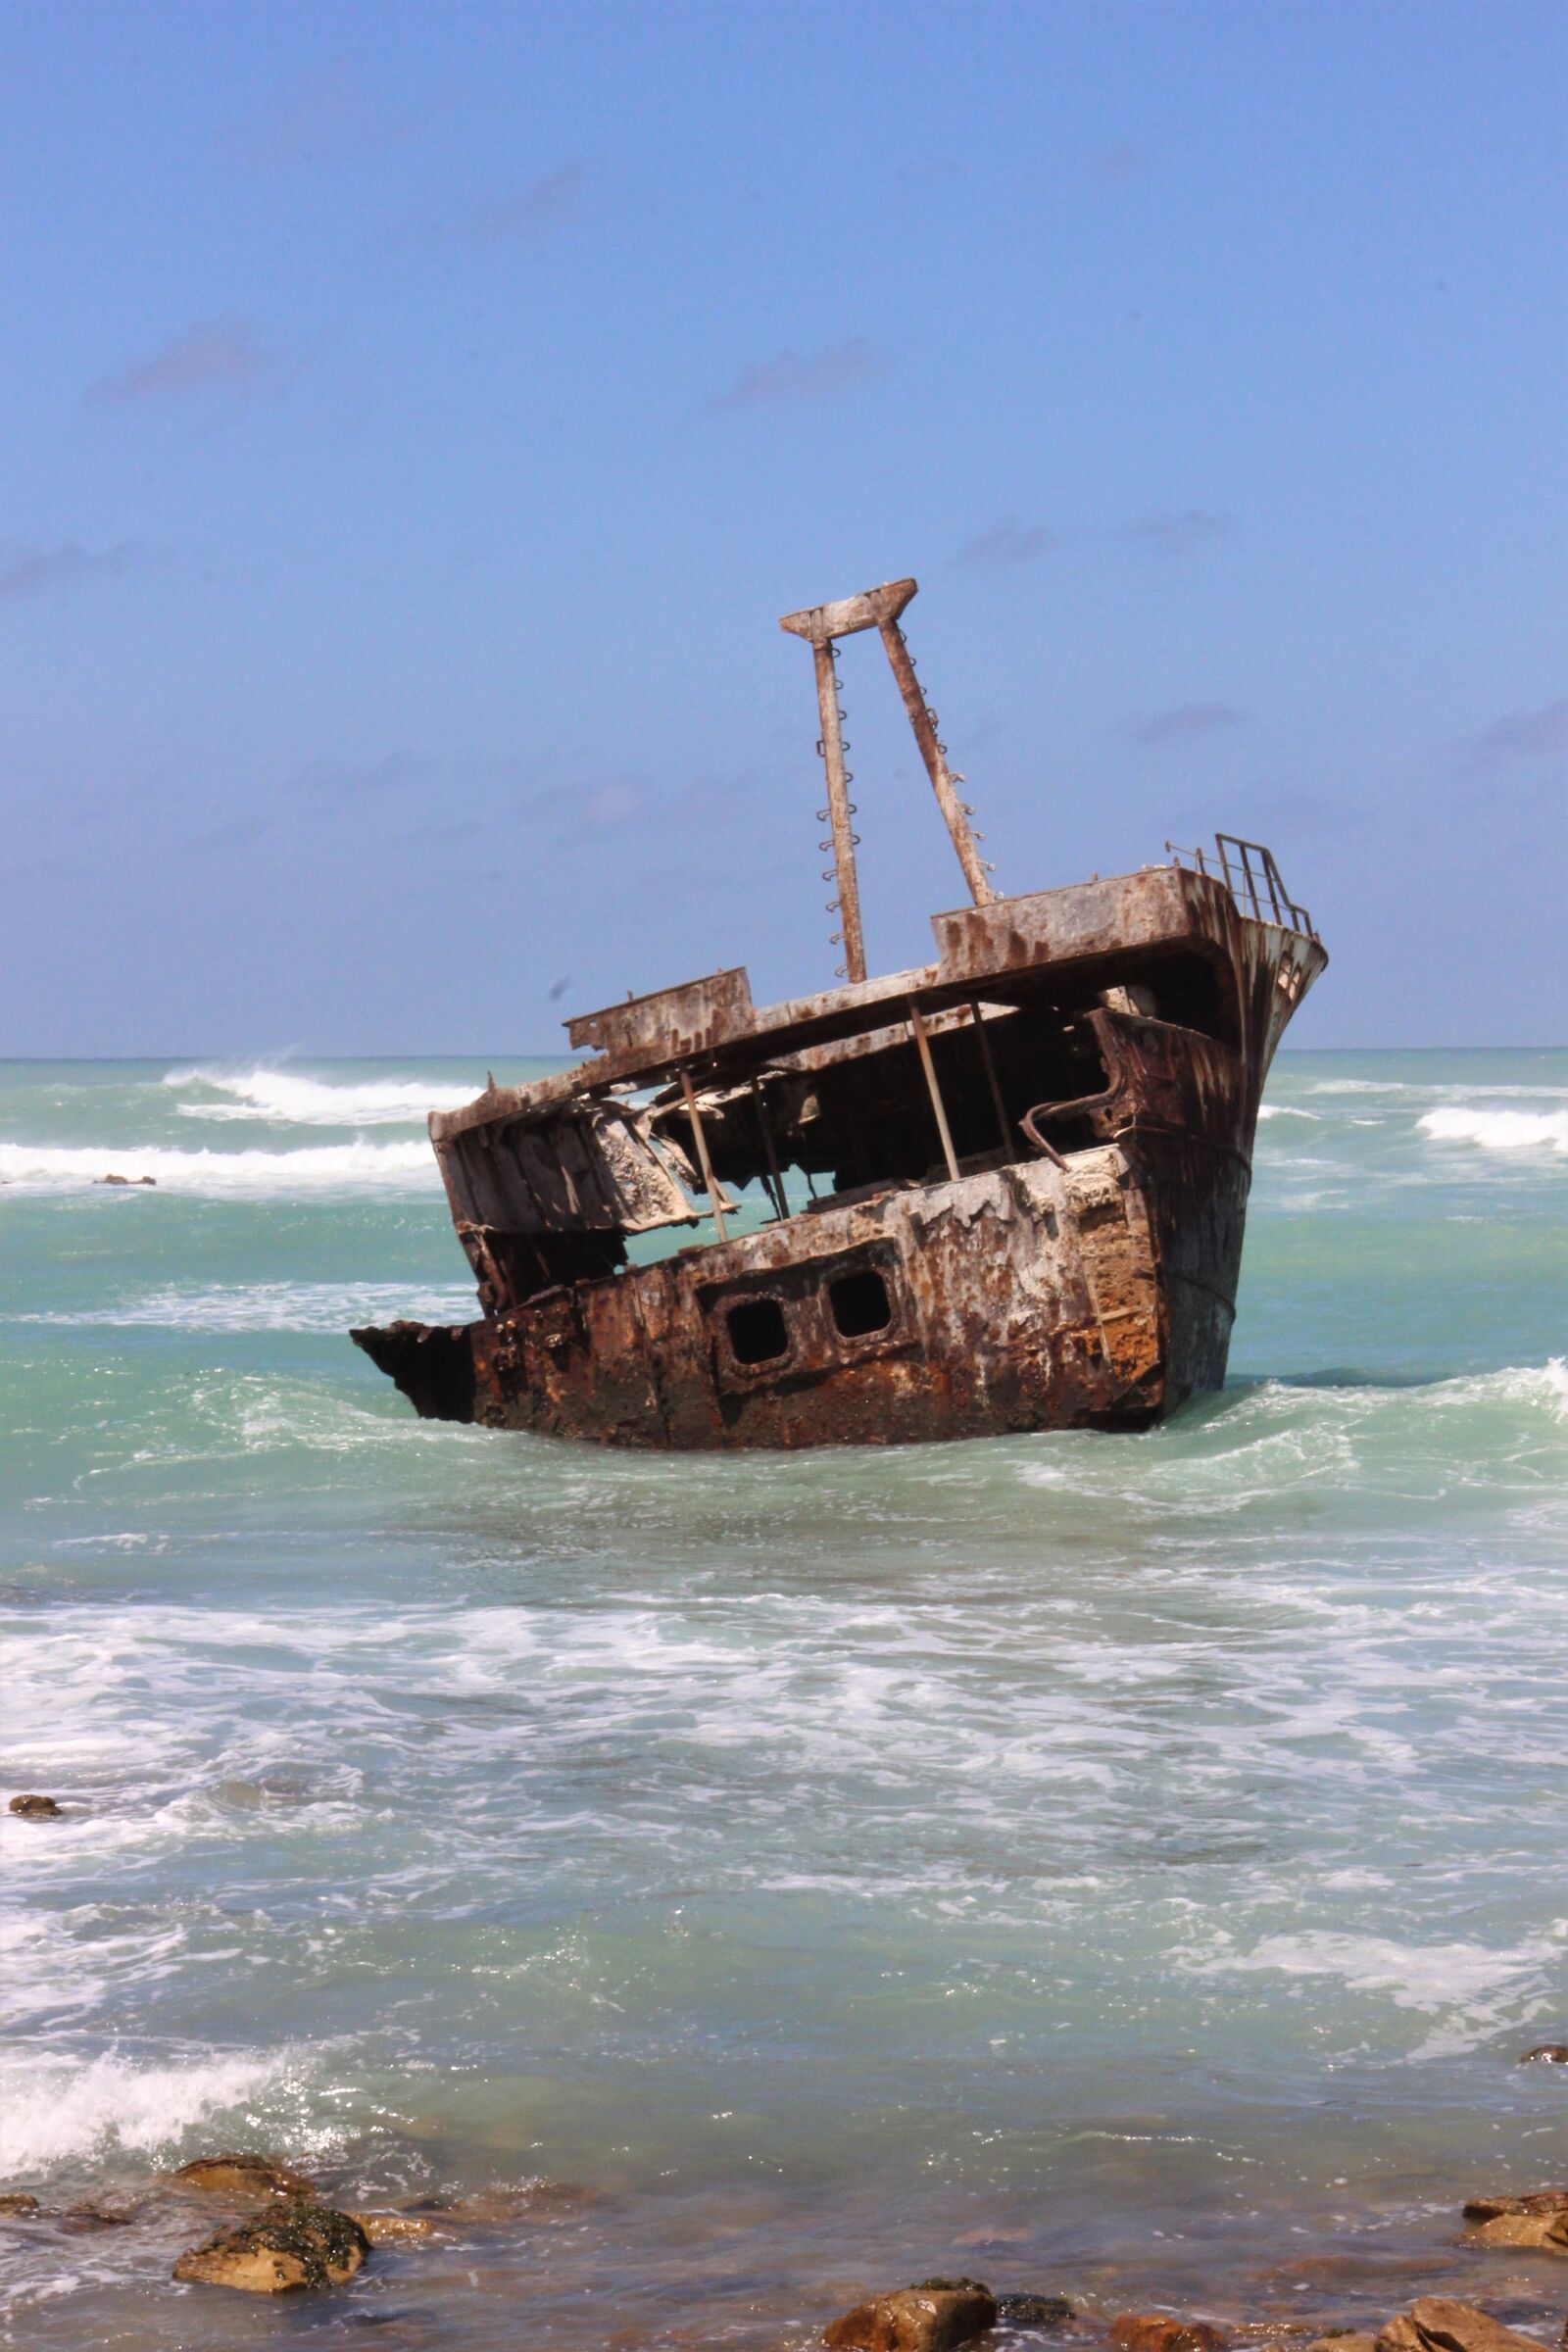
[757,1332]
[859,1304]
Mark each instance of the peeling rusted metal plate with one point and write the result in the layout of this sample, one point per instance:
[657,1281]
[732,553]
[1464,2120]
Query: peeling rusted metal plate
[671,1023]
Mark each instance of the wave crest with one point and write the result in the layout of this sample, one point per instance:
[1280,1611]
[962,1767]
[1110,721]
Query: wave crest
[405,1167]
[1497,1130]
[289,1098]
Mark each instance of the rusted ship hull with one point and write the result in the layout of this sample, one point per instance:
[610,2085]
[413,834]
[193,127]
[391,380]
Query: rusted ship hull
[1074,1262]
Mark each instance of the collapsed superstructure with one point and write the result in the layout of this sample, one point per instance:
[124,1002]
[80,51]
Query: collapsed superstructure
[1005,1191]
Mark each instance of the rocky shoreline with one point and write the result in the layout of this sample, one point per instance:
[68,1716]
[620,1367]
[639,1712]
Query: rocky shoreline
[276,2229]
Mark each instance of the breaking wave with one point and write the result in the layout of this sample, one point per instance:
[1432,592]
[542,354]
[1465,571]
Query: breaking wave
[293,1099]
[405,1167]
[53,2111]
[1497,1130]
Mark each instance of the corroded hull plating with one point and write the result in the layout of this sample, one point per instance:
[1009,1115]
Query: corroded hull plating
[1085,1278]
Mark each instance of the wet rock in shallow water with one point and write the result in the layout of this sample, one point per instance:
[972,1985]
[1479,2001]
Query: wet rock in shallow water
[1157,2331]
[36,1808]
[1033,2311]
[84,2221]
[1534,2200]
[292,2246]
[17,2202]
[130,1180]
[1547,2053]
[489,2208]
[1546,2231]
[933,2316]
[1435,2324]
[245,2177]
[395,2229]
[1345,2339]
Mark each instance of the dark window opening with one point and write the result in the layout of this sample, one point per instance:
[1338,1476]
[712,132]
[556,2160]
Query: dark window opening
[860,1304]
[758,1331]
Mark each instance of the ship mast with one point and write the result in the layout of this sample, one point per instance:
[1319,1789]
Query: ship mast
[821,625]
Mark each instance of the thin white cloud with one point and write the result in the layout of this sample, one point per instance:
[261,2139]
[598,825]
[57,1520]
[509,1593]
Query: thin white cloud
[1524,735]
[1008,542]
[794,377]
[33,570]
[215,355]
[1179,533]
[1186,722]
[323,116]
[353,779]
[529,216]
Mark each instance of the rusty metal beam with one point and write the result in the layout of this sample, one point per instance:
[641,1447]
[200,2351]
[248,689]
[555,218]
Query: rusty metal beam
[775,1180]
[923,1044]
[923,720]
[820,623]
[714,1195]
[838,810]
[1004,1126]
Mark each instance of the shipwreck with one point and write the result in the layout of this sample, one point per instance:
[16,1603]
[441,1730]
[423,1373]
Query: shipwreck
[1005,1191]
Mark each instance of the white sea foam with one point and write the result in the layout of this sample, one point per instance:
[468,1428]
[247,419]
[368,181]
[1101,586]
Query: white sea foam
[1470,1990]
[325,1306]
[1425,1976]
[1497,1130]
[403,1167]
[290,1098]
[52,2111]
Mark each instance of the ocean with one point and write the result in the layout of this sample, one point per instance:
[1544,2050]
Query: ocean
[1125,1867]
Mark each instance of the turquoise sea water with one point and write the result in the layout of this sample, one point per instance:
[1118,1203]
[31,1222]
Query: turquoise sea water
[1127,1866]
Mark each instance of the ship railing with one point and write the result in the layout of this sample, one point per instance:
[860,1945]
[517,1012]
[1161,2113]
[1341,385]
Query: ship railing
[1249,872]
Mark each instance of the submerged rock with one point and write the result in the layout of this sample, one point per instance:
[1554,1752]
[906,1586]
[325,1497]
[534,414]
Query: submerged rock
[245,2177]
[84,2221]
[1158,2332]
[1033,2311]
[36,1808]
[528,2200]
[1436,2324]
[292,2246]
[1547,2053]
[933,2316]
[17,2201]
[113,1179]
[395,2229]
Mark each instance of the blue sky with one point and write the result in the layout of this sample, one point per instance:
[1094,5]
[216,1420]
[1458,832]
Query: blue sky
[417,417]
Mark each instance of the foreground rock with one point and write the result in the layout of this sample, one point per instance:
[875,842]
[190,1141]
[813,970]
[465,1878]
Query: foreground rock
[932,2317]
[36,1808]
[292,2246]
[1157,2331]
[245,2177]
[1435,2324]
